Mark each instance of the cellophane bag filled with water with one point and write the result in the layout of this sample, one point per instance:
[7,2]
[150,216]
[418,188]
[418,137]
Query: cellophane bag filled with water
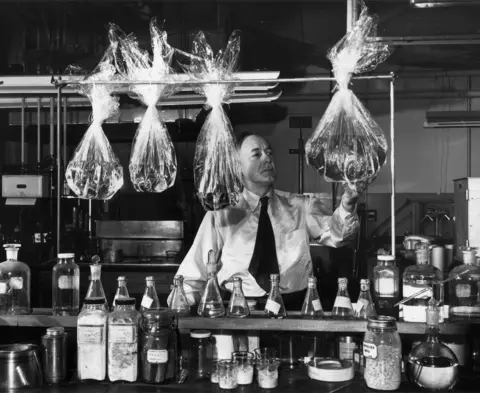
[94,172]
[153,163]
[216,165]
[347,144]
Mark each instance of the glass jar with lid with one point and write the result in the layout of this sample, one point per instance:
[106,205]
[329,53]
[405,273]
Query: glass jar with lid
[382,350]
[464,288]
[200,355]
[416,278]
[386,280]
[123,325]
[158,346]
[65,286]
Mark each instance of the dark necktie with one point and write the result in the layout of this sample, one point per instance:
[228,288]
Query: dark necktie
[264,259]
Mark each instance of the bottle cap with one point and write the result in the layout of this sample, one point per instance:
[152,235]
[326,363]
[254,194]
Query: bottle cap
[55,331]
[200,333]
[237,279]
[150,278]
[125,301]
[312,280]
[382,322]
[343,280]
[178,277]
[364,281]
[274,277]
[11,246]
[121,278]
[385,258]
[66,255]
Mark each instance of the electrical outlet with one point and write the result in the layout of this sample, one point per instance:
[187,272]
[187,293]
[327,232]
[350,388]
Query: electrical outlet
[372,215]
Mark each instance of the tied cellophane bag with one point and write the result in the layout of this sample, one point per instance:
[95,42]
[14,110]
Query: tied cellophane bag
[347,144]
[94,172]
[153,164]
[216,164]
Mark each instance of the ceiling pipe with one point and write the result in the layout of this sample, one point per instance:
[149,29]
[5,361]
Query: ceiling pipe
[352,14]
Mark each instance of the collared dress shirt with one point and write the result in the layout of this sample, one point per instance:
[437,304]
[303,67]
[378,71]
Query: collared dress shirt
[231,233]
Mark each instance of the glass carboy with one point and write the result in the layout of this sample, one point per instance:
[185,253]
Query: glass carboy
[65,286]
[386,281]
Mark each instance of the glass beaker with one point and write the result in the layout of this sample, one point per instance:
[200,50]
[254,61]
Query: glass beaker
[227,370]
[267,367]
[245,362]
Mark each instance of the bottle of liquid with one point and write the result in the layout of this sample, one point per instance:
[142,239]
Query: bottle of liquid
[364,308]
[179,304]
[66,286]
[95,289]
[18,275]
[342,308]
[432,365]
[211,304]
[122,291]
[150,298]
[274,308]
[386,283]
[237,307]
[312,307]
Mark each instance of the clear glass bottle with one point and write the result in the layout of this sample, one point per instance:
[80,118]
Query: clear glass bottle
[95,289]
[122,291]
[415,278]
[382,349]
[150,298]
[66,286]
[179,304]
[211,303]
[200,354]
[342,308]
[237,307]
[18,275]
[274,308]
[92,340]
[431,364]
[386,284]
[364,308]
[464,288]
[123,324]
[312,307]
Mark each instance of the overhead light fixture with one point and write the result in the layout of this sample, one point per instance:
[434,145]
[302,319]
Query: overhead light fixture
[452,119]
[442,3]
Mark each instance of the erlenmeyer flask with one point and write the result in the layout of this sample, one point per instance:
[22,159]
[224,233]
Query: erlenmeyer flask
[238,307]
[342,308]
[150,298]
[274,308]
[211,304]
[122,291]
[364,307]
[312,307]
[179,304]
[95,289]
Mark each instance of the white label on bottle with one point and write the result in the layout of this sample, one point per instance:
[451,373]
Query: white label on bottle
[409,290]
[16,282]
[3,288]
[385,287]
[342,301]
[90,334]
[272,306]
[157,356]
[414,313]
[345,350]
[369,350]
[65,282]
[146,301]
[317,306]
[462,290]
[121,334]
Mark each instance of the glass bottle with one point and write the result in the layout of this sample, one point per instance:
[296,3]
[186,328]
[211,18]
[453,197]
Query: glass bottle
[364,308]
[431,364]
[123,324]
[95,289]
[274,308]
[342,308]
[66,286]
[312,307]
[200,354]
[386,283]
[416,278]
[464,288]
[237,307]
[18,275]
[92,340]
[122,291]
[179,304]
[211,303]
[150,298]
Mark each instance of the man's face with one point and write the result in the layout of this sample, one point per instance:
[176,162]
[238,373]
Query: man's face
[256,159]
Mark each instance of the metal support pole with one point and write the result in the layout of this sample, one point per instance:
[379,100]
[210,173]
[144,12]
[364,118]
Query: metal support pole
[39,141]
[469,132]
[352,14]
[392,158]
[59,164]
[22,139]
[301,160]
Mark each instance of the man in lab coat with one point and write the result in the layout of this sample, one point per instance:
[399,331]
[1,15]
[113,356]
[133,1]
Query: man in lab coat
[295,219]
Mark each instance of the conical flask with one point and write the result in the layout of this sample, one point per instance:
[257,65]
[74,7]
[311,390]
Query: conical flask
[274,308]
[364,308]
[179,304]
[122,291]
[95,289]
[150,298]
[211,304]
[312,307]
[342,308]
[237,307]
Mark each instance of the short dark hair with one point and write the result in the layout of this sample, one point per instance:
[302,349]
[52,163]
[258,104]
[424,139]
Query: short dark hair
[244,135]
